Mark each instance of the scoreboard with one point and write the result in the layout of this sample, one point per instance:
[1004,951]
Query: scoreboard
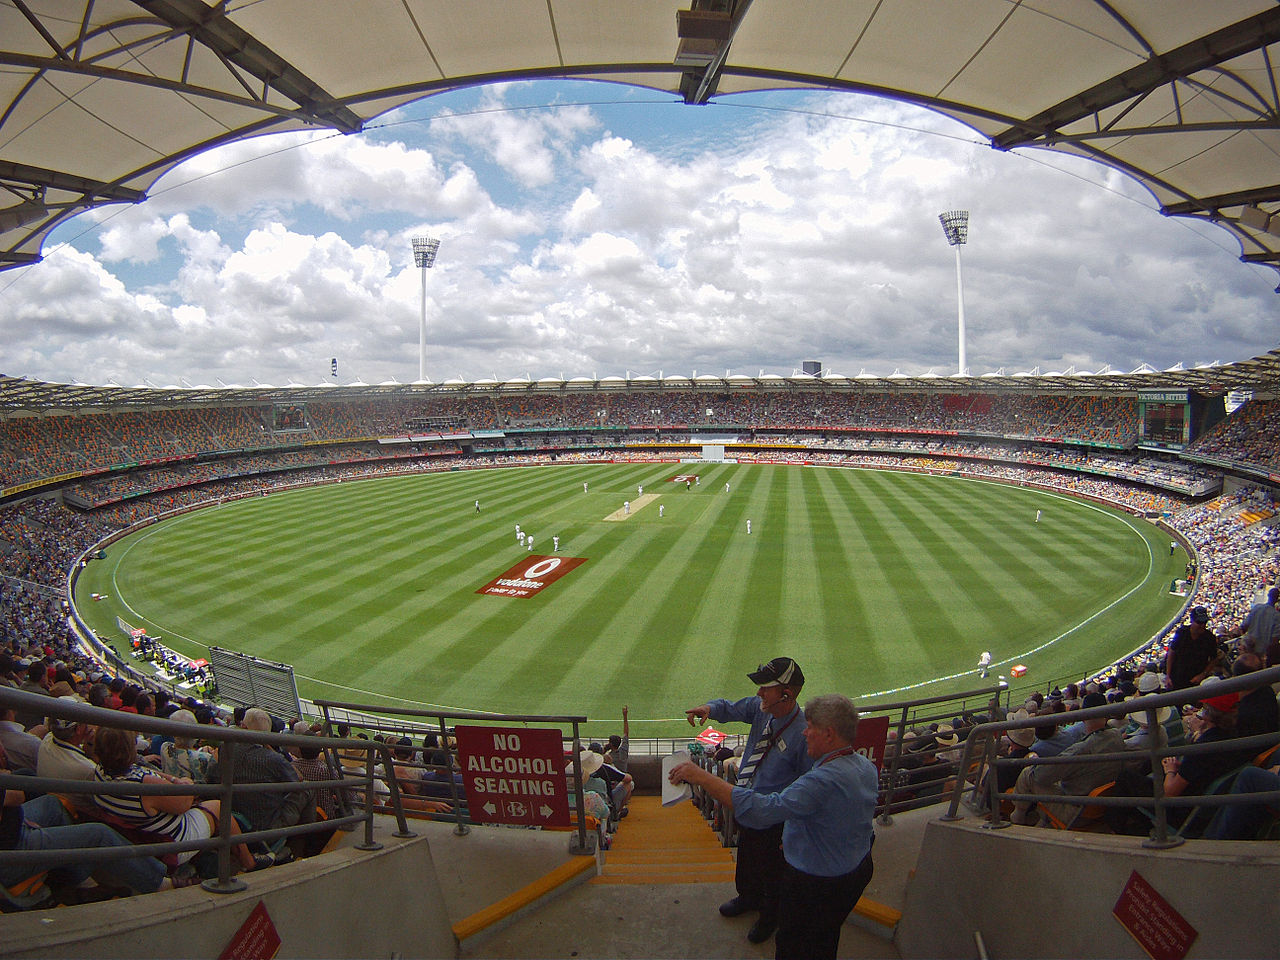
[1165,416]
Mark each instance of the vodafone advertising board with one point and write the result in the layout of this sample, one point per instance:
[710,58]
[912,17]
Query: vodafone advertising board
[528,577]
[514,775]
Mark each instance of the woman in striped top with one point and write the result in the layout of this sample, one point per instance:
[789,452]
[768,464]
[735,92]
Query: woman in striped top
[177,818]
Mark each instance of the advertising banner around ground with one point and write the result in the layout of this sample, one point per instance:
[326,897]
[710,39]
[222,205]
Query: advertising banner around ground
[514,775]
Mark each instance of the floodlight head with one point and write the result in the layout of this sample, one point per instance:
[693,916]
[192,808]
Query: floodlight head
[955,224]
[424,251]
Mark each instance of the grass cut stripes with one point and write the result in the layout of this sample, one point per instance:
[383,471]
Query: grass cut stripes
[876,582]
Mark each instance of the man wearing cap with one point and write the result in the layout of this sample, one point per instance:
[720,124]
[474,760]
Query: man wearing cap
[62,755]
[1193,652]
[827,834]
[773,756]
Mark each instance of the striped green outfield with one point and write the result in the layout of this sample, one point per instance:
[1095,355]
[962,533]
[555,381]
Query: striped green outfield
[878,583]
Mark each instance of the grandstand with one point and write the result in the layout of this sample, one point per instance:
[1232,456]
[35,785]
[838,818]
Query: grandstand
[82,464]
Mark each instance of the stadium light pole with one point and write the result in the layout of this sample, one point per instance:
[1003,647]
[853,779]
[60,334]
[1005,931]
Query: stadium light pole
[424,258]
[955,224]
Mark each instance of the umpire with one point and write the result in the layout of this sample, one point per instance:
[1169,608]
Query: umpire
[773,757]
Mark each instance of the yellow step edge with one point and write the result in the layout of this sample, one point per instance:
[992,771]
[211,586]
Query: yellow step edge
[482,919]
[878,912]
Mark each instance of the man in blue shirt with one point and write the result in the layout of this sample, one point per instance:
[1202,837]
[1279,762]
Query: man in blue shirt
[828,832]
[773,757]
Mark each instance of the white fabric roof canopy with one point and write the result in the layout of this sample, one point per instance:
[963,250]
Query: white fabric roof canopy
[98,99]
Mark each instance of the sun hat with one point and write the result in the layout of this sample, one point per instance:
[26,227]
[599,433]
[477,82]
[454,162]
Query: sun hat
[1024,737]
[591,762]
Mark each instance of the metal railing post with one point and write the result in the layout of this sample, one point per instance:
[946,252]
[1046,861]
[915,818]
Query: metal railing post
[224,882]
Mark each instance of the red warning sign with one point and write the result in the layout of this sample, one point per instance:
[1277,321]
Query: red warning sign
[530,576]
[514,775]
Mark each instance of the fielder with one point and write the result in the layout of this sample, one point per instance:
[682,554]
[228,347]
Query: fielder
[555,544]
[661,507]
[626,506]
[984,662]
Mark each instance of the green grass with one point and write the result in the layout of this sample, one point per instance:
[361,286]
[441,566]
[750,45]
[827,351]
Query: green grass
[880,584]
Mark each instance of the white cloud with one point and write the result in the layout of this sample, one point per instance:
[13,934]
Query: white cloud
[586,241]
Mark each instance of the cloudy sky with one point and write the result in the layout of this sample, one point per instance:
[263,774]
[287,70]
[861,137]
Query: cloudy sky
[595,230]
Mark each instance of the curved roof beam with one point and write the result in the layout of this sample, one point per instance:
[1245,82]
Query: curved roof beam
[1202,53]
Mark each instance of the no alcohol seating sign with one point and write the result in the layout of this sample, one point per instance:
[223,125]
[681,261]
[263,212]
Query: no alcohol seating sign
[514,775]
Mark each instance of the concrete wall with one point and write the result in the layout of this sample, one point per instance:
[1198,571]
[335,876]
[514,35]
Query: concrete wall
[1039,893]
[347,903]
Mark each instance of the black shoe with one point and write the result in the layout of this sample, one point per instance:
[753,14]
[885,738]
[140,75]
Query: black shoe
[762,929]
[736,907]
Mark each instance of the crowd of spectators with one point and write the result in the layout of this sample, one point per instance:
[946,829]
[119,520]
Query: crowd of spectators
[34,448]
[1251,436]
[41,539]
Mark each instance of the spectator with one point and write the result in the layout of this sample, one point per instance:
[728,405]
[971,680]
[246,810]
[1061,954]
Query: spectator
[1257,711]
[37,681]
[181,757]
[258,763]
[43,823]
[1193,652]
[619,749]
[22,749]
[1076,779]
[64,754]
[177,818]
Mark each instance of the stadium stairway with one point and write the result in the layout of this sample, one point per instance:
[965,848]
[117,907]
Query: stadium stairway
[657,844]
[656,893]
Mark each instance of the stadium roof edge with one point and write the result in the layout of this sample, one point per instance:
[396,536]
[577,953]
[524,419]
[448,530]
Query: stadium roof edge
[1181,100]
[23,396]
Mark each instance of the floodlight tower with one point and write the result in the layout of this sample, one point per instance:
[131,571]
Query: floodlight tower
[955,224]
[424,257]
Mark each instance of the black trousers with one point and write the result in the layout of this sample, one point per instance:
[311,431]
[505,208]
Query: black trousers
[758,874]
[811,911]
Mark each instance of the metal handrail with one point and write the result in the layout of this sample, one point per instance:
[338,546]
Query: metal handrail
[981,744]
[391,721]
[228,739]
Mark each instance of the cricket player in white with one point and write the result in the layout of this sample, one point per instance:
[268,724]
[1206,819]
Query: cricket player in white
[661,507]
[626,506]
[555,544]
[984,662]
[748,526]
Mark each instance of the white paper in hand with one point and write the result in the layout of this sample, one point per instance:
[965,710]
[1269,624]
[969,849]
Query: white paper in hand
[672,793]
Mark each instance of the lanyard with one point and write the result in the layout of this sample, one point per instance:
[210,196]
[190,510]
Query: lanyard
[775,735]
[842,752]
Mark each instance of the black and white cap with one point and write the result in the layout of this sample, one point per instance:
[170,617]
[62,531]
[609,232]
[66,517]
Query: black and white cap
[778,672]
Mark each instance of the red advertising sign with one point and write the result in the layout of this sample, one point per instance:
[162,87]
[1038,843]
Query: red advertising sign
[872,733]
[257,938]
[711,736]
[530,576]
[1152,921]
[514,775]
